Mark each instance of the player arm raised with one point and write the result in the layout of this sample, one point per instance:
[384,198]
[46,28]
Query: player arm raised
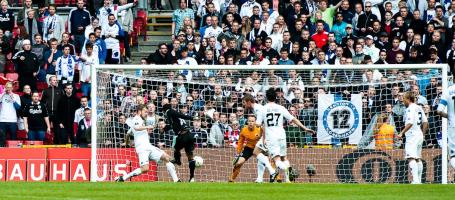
[297,121]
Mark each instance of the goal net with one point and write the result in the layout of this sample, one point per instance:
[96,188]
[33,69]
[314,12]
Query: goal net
[357,111]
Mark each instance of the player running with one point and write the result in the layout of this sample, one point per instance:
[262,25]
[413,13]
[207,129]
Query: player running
[259,150]
[249,136]
[146,151]
[185,139]
[271,118]
[416,124]
[447,103]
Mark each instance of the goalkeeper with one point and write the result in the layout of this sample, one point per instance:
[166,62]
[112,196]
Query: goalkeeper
[249,136]
[185,140]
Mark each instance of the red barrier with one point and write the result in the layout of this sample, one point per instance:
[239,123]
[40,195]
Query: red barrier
[67,164]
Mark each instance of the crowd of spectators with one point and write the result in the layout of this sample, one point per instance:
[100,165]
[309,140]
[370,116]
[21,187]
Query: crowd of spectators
[45,63]
[306,32]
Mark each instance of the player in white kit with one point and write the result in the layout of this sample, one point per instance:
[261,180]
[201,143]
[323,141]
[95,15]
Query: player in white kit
[271,118]
[446,109]
[146,151]
[259,149]
[416,124]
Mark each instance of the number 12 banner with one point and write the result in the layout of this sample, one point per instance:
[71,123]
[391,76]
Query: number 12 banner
[339,118]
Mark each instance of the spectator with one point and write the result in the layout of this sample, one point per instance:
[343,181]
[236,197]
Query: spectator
[199,133]
[28,65]
[78,19]
[365,21]
[38,48]
[247,8]
[111,37]
[126,21]
[328,12]
[79,113]
[53,25]
[66,41]
[84,129]
[50,58]
[36,119]
[7,19]
[65,67]
[218,130]
[67,106]
[31,25]
[214,30]
[111,9]
[22,15]
[162,137]
[90,60]
[129,103]
[179,15]
[10,105]
[91,27]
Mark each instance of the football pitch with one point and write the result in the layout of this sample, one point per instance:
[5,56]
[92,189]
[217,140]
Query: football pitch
[231,191]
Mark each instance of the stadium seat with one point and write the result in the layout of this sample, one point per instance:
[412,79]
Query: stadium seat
[40,86]
[21,134]
[12,76]
[33,142]
[9,67]
[14,143]
[79,95]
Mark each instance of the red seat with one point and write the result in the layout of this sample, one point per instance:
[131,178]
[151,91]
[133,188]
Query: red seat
[14,143]
[9,67]
[21,134]
[33,142]
[40,86]
[79,95]
[12,76]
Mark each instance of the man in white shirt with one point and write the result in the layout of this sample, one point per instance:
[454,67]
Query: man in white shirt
[446,109]
[185,60]
[9,104]
[370,49]
[416,124]
[214,30]
[111,35]
[53,25]
[108,9]
[146,151]
[90,60]
[247,8]
[65,67]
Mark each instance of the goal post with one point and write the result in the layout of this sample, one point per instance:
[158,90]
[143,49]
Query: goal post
[344,150]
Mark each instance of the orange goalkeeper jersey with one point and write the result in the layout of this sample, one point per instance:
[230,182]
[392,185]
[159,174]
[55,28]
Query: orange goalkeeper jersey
[249,138]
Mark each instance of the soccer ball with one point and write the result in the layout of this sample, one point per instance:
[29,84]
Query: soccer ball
[199,161]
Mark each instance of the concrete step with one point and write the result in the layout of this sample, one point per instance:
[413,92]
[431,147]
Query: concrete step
[159,33]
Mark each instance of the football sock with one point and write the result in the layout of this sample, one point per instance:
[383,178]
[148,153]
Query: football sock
[171,169]
[266,162]
[235,172]
[280,164]
[134,173]
[192,166]
[261,169]
[414,171]
[420,167]
[177,155]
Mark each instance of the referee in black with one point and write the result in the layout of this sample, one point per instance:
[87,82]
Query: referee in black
[184,138]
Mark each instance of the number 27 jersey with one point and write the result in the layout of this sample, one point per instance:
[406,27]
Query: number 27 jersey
[271,117]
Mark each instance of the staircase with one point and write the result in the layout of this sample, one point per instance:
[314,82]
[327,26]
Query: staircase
[159,28]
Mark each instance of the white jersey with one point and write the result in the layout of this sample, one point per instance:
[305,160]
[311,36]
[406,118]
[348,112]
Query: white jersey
[416,116]
[141,138]
[272,118]
[257,109]
[447,102]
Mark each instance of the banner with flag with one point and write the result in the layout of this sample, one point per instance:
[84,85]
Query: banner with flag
[339,118]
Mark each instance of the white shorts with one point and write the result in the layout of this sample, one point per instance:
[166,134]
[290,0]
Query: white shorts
[413,146]
[151,153]
[451,141]
[261,146]
[277,147]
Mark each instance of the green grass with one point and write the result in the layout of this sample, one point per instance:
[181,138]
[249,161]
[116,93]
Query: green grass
[218,191]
